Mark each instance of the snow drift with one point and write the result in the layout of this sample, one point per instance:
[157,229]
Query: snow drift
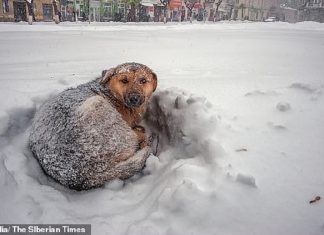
[188,146]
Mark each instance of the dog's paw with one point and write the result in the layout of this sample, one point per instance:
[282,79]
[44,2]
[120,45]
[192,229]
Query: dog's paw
[138,128]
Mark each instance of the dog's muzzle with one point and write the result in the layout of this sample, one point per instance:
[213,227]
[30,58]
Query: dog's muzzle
[134,100]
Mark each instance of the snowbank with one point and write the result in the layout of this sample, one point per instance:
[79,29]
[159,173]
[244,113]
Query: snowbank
[183,172]
[153,26]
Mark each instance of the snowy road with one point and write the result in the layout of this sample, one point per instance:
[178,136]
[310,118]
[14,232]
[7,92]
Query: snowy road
[253,156]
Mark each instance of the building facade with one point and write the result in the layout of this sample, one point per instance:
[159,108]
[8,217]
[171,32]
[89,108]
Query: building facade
[226,10]
[255,10]
[312,10]
[302,10]
[16,10]
[176,10]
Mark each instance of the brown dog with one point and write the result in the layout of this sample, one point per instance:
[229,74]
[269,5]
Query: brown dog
[88,135]
[131,85]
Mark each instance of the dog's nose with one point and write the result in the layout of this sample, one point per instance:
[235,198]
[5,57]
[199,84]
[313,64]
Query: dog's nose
[134,100]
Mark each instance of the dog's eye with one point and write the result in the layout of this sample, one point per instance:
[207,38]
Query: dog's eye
[125,81]
[143,81]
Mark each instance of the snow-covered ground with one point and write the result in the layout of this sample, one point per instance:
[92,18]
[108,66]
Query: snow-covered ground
[244,103]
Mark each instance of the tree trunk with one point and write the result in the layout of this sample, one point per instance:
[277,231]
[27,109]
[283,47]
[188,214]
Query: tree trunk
[31,15]
[132,13]
[216,11]
[165,15]
[190,12]
[89,16]
[56,13]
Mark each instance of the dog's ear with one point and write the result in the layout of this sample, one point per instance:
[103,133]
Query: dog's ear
[154,81]
[106,75]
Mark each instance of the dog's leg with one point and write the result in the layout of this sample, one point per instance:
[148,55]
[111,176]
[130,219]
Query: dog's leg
[143,141]
[122,170]
[133,165]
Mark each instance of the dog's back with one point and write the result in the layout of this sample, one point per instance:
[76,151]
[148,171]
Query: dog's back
[82,141]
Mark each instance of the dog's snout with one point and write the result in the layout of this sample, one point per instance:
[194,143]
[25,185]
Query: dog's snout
[134,100]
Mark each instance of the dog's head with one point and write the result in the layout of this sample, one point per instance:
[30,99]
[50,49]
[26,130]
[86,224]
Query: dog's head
[130,83]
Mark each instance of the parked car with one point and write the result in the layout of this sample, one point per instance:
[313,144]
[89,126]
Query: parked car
[271,19]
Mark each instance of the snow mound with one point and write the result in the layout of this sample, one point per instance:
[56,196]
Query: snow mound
[182,178]
[185,122]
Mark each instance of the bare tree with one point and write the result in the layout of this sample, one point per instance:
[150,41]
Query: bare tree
[303,4]
[242,7]
[56,13]
[217,7]
[165,4]
[31,14]
[131,16]
[190,4]
[296,4]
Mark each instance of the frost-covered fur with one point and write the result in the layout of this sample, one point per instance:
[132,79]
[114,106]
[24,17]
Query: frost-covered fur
[82,141]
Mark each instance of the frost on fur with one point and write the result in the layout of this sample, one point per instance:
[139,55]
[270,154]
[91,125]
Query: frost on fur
[81,140]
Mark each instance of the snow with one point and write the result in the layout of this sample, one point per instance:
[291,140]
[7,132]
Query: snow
[243,104]
[4,122]
[246,179]
[283,106]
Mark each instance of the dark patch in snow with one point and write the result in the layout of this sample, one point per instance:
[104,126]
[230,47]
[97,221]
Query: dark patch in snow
[303,87]
[262,93]
[246,179]
[241,150]
[4,122]
[19,121]
[277,127]
[63,82]
[283,106]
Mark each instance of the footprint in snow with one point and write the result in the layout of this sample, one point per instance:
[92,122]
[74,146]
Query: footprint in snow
[246,180]
[283,106]
[276,127]
[303,87]
[262,93]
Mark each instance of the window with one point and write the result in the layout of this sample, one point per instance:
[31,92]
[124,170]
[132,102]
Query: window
[47,12]
[121,8]
[108,10]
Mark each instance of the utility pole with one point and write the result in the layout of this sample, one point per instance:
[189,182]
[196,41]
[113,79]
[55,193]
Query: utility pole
[75,15]
[89,11]
[31,15]
[262,11]
[56,12]
[165,3]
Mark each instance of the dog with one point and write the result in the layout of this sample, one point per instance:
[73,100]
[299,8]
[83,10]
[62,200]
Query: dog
[91,134]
